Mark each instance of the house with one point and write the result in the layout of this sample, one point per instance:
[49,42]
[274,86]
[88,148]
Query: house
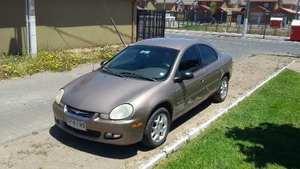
[175,5]
[219,9]
[211,4]
[168,5]
[233,10]
[66,23]
[286,10]
[146,4]
[286,13]
[207,9]
[233,13]
[288,4]
[260,10]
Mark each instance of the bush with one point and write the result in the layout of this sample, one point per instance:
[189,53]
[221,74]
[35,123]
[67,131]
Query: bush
[56,61]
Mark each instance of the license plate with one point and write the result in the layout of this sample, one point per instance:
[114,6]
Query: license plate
[77,124]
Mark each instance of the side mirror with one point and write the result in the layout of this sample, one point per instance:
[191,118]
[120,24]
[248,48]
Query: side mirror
[103,63]
[184,76]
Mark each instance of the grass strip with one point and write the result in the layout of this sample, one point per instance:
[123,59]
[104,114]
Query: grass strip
[261,132]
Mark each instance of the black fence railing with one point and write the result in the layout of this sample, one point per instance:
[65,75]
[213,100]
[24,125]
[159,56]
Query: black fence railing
[150,24]
[233,23]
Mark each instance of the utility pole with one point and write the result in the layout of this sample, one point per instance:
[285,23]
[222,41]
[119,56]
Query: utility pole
[31,28]
[164,4]
[246,19]
[27,28]
[297,10]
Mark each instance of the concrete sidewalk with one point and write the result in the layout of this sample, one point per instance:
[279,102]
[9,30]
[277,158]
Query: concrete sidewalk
[226,34]
[295,66]
[26,102]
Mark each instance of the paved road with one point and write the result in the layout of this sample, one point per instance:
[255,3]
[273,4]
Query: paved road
[238,47]
[26,103]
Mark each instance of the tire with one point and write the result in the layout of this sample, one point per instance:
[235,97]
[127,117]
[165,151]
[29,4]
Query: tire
[222,92]
[149,139]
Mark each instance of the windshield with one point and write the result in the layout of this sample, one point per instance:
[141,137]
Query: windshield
[142,62]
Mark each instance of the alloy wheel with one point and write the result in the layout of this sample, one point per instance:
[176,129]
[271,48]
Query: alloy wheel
[159,127]
[224,89]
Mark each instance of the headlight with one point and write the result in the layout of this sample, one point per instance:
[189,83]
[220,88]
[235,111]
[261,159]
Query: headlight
[121,112]
[59,96]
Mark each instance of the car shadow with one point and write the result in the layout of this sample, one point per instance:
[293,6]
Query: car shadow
[196,110]
[99,149]
[270,144]
[113,151]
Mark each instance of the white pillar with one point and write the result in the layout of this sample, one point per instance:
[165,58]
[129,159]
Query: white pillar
[245,27]
[297,10]
[31,27]
[246,18]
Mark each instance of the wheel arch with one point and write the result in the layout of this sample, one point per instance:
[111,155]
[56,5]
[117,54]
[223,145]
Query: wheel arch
[166,104]
[227,74]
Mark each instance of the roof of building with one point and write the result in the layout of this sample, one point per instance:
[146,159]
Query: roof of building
[289,2]
[210,0]
[167,1]
[205,7]
[232,10]
[177,1]
[263,9]
[286,10]
[174,43]
[245,1]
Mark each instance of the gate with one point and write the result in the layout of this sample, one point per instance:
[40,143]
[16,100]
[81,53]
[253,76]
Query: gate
[150,24]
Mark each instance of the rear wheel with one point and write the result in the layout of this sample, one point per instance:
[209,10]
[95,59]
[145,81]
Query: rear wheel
[222,92]
[157,128]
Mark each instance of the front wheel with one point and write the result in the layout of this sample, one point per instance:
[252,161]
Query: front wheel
[157,128]
[222,92]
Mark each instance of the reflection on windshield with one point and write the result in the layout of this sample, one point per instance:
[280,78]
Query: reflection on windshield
[143,62]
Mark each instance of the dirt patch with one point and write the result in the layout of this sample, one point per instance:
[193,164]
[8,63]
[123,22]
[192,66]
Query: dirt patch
[51,149]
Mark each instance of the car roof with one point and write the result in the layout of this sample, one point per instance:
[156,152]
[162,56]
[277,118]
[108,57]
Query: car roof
[175,43]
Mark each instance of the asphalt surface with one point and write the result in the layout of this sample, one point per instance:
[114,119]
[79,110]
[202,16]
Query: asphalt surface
[237,47]
[26,103]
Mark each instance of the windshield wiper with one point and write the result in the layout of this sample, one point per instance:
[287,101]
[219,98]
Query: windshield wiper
[107,70]
[134,75]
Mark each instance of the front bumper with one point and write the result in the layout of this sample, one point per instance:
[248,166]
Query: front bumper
[129,131]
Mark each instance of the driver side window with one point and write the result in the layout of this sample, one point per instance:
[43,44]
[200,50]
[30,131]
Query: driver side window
[190,60]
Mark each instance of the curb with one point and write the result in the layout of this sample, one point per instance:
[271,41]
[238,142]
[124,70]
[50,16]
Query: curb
[194,132]
[249,36]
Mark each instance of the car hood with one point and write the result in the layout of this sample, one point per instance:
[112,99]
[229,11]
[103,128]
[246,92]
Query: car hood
[101,92]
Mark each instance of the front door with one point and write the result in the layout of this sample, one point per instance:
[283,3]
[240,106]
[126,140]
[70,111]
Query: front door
[192,91]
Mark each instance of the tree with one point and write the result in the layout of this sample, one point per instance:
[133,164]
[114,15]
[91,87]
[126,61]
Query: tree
[213,7]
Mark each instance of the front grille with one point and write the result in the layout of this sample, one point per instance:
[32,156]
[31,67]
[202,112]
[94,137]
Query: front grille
[80,113]
[88,133]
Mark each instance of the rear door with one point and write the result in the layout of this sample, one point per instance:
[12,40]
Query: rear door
[211,68]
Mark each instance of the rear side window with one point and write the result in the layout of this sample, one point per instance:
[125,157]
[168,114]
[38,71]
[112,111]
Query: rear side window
[208,55]
[190,60]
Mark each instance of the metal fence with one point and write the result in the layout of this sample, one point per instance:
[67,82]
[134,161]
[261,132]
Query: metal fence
[226,23]
[150,24]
